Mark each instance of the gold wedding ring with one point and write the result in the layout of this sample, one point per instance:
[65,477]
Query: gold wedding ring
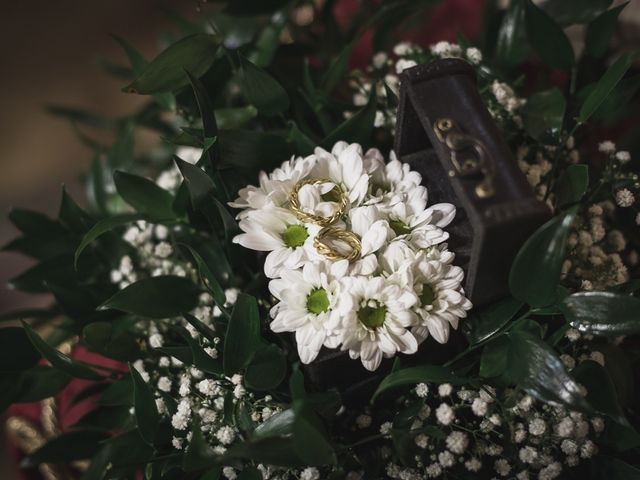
[307,217]
[330,233]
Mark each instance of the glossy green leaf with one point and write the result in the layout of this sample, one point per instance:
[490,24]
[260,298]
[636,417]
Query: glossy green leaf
[252,150]
[309,438]
[207,277]
[138,64]
[144,195]
[243,334]
[119,392]
[262,90]
[484,323]
[203,329]
[72,216]
[278,424]
[16,351]
[267,368]
[605,85]
[613,468]
[534,366]
[104,226]
[358,128]
[201,359]
[105,339]
[567,12]
[166,72]
[209,122]
[33,223]
[58,359]
[600,31]
[414,375]
[543,114]
[145,409]
[66,448]
[250,473]
[535,272]
[337,68]
[572,184]
[39,383]
[512,46]
[163,296]
[603,313]
[547,38]
[276,450]
[494,361]
[601,392]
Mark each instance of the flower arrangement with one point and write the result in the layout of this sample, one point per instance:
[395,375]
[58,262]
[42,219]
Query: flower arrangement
[274,225]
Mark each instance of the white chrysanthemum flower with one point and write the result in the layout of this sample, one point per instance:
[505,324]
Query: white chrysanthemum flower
[278,231]
[274,188]
[344,166]
[310,305]
[378,323]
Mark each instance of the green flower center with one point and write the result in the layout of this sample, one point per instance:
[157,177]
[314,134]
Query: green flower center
[294,236]
[372,314]
[317,301]
[399,227]
[428,295]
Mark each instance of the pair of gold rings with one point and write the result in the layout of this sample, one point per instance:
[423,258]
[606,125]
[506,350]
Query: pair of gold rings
[329,233]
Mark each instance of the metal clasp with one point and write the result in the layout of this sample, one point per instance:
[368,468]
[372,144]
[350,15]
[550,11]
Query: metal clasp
[478,163]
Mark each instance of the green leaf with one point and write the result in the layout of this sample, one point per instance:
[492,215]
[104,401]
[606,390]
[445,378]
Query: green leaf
[494,361]
[39,383]
[603,313]
[534,366]
[572,185]
[200,359]
[254,7]
[16,351]
[138,64]
[262,90]
[309,438]
[58,359]
[144,405]
[243,334]
[567,12]
[67,448]
[600,31]
[102,227]
[512,46]
[267,368]
[547,38]
[279,424]
[413,375]
[270,450]
[72,216]
[166,72]
[605,85]
[105,339]
[535,272]
[358,128]
[144,195]
[119,392]
[543,114]
[337,67]
[209,122]
[601,392]
[203,329]
[207,278]
[615,469]
[199,455]
[485,323]
[163,296]
[33,223]
[252,150]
